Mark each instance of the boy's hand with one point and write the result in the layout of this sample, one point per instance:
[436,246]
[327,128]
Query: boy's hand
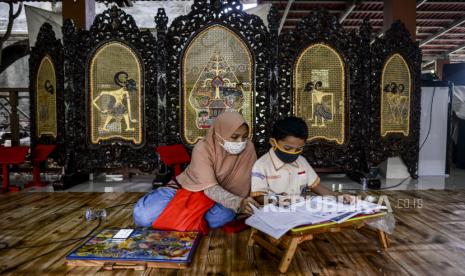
[284,200]
[348,199]
[245,205]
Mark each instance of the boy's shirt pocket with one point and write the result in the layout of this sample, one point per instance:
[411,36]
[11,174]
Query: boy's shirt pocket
[278,182]
[302,178]
[273,177]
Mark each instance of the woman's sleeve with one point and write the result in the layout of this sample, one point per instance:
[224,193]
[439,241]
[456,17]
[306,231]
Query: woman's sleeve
[223,197]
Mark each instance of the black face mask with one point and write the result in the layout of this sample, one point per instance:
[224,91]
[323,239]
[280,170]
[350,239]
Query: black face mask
[286,157]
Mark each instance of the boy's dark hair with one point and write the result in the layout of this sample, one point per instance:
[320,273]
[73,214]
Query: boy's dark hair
[290,126]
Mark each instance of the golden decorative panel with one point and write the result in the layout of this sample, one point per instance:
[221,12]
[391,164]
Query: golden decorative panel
[395,96]
[217,76]
[46,98]
[319,92]
[116,94]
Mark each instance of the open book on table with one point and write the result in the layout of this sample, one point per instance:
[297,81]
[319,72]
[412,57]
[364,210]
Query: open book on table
[276,221]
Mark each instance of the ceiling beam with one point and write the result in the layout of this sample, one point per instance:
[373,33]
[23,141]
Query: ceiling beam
[458,48]
[444,50]
[438,34]
[426,64]
[444,3]
[429,58]
[441,12]
[435,19]
[283,18]
[451,34]
[379,12]
[454,34]
[418,19]
[374,20]
[435,46]
[308,2]
[346,13]
[443,44]
[429,27]
[420,3]
[290,26]
[447,40]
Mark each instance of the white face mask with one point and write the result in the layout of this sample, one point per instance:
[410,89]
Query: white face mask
[233,147]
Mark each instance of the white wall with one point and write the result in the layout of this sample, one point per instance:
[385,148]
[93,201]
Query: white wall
[433,153]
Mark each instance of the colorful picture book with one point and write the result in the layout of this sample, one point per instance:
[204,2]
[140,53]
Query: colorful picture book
[142,245]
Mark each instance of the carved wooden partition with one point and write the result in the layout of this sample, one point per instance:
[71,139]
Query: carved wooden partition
[46,101]
[111,92]
[125,92]
[320,80]
[395,98]
[218,60]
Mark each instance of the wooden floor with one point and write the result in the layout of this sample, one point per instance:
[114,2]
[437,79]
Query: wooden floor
[428,239]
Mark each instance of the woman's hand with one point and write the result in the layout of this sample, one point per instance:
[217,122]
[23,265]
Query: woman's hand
[245,206]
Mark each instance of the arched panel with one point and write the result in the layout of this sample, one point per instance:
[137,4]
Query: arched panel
[46,99]
[115,94]
[321,80]
[112,72]
[394,126]
[216,77]
[395,96]
[219,58]
[319,92]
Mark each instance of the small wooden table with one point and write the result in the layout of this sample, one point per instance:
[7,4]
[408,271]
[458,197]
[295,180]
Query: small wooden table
[286,246]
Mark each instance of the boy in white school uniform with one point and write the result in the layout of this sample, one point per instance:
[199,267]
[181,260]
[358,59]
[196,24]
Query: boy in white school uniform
[283,171]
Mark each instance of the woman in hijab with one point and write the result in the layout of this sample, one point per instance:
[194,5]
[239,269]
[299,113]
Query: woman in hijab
[220,167]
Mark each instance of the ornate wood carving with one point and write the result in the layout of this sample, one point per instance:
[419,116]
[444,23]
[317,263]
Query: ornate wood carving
[273,26]
[251,30]
[364,54]
[112,25]
[320,27]
[48,45]
[396,40]
[161,21]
